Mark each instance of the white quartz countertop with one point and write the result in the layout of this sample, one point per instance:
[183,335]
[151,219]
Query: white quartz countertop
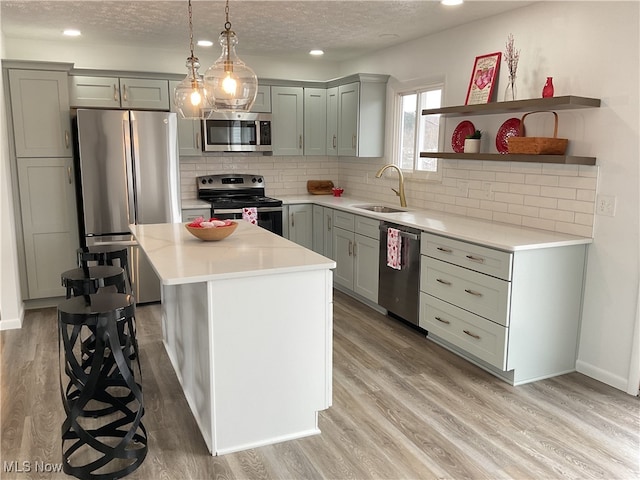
[502,236]
[178,257]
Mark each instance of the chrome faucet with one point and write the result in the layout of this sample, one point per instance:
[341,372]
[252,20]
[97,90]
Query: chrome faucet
[400,191]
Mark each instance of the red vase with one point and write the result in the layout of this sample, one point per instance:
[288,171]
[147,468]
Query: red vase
[547,91]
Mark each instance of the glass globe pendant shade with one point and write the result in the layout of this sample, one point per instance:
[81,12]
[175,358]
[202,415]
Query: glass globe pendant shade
[190,95]
[230,83]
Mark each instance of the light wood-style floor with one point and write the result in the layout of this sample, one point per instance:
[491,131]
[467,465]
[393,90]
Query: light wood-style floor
[403,408]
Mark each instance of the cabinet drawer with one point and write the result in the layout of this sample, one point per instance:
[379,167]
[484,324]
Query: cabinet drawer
[367,226]
[480,294]
[475,257]
[344,220]
[476,335]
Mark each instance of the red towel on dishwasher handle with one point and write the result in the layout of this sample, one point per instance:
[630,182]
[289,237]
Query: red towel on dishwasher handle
[394,244]
[250,214]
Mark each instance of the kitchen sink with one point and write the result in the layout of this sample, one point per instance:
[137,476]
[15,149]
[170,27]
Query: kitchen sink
[380,208]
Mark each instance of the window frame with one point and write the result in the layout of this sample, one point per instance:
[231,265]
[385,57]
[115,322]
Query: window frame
[415,87]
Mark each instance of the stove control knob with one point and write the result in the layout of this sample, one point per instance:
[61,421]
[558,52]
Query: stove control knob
[210,180]
[203,181]
[254,180]
[259,180]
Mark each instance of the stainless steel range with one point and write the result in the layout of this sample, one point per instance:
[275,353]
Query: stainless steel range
[228,194]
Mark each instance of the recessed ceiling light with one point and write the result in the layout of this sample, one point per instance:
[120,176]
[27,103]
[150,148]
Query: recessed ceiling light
[451,2]
[70,32]
[205,43]
[316,52]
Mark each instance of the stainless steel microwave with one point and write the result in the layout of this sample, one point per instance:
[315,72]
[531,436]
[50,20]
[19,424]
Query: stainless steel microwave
[237,132]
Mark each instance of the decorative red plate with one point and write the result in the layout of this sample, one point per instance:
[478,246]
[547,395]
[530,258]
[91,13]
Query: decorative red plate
[463,129]
[510,128]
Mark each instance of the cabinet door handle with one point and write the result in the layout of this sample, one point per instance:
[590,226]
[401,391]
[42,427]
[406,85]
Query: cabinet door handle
[69,175]
[67,138]
[444,282]
[115,92]
[293,224]
[355,249]
[124,93]
[328,224]
[447,322]
[475,259]
[445,250]
[350,248]
[473,292]
[477,337]
[353,141]
[198,145]
[300,142]
[334,141]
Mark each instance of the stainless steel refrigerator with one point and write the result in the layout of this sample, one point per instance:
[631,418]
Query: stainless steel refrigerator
[128,170]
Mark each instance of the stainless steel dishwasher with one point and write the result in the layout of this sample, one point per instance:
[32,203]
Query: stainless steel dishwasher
[399,290]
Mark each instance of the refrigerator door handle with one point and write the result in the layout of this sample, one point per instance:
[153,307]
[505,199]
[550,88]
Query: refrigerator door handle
[126,131]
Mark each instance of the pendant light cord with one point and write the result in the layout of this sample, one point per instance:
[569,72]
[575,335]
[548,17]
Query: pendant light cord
[192,58]
[227,28]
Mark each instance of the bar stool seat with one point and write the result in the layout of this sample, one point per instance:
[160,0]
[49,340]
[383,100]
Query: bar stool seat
[113,443]
[105,255]
[87,280]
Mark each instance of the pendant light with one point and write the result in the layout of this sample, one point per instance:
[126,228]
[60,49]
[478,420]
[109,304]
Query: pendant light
[231,84]
[190,95]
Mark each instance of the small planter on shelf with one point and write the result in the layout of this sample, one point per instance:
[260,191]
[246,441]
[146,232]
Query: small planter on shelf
[472,142]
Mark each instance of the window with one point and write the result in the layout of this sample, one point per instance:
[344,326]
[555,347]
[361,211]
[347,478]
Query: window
[416,132]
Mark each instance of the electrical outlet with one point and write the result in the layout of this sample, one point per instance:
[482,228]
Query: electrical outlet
[606,205]
[463,188]
[487,190]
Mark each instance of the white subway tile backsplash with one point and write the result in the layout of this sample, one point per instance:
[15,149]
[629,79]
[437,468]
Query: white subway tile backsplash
[545,196]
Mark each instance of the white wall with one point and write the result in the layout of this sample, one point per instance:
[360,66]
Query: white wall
[11,307]
[590,48]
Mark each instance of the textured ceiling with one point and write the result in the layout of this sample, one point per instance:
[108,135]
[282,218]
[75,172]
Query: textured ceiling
[343,29]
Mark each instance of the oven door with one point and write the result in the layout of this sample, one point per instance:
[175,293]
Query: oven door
[269,218]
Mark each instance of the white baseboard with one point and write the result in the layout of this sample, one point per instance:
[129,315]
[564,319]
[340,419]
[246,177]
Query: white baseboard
[12,323]
[602,375]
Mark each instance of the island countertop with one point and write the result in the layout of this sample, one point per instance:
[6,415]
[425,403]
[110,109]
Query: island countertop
[178,257]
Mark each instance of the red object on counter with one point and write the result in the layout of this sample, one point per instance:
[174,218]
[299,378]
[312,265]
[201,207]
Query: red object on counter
[337,191]
[547,90]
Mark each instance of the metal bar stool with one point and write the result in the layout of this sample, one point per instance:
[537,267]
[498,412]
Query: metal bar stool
[87,280]
[102,436]
[105,255]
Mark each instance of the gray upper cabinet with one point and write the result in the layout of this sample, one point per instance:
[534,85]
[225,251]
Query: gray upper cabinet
[361,109]
[189,131]
[119,92]
[315,121]
[332,121]
[263,100]
[40,112]
[287,132]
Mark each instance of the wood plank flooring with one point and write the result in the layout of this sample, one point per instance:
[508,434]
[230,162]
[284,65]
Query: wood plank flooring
[403,408]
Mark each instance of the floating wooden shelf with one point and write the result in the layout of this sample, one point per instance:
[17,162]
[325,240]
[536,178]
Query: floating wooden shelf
[512,157]
[567,102]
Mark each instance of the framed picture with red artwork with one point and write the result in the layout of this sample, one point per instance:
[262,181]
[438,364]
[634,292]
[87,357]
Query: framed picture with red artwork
[483,78]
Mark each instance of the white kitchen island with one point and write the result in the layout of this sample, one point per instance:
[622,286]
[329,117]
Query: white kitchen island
[247,323]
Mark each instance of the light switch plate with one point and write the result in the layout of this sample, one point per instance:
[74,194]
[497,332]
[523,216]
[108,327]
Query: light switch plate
[606,205]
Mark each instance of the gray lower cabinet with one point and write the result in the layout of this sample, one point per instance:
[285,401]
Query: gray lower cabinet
[323,231]
[49,222]
[355,247]
[516,314]
[300,224]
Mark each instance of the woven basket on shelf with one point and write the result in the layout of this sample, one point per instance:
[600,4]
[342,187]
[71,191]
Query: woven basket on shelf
[538,145]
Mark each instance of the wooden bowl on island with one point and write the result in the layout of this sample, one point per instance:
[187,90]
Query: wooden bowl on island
[212,233]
